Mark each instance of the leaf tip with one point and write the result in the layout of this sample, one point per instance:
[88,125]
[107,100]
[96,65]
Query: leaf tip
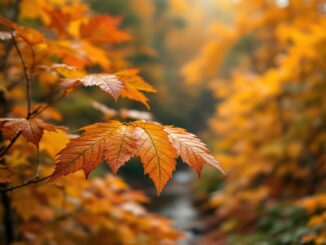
[158,191]
[115,98]
[218,167]
[114,171]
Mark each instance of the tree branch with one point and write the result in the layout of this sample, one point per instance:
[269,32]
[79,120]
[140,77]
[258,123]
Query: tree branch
[8,46]
[7,218]
[27,183]
[51,103]
[12,142]
[26,74]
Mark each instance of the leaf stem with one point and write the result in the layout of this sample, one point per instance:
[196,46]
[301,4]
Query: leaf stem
[5,150]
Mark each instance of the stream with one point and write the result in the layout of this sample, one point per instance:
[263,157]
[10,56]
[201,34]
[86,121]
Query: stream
[176,203]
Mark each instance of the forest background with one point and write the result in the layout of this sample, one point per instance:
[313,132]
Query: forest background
[247,76]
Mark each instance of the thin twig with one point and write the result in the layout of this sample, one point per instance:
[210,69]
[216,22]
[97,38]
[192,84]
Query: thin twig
[26,74]
[38,164]
[27,183]
[51,103]
[33,60]
[13,140]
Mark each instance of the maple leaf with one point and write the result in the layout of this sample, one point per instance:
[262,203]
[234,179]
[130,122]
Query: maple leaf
[134,84]
[191,149]
[120,147]
[31,129]
[85,152]
[103,29]
[58,20]
[156,153]
[131,77]
[29,35]
[70,52]
[133,94]
[125,83]
[107,82]
[157,146]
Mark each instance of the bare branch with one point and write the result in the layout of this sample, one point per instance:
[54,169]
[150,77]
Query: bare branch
[51,103]
[26,74]
[12,142]
[27,183]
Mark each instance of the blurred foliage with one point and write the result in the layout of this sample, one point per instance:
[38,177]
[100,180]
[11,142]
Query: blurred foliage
[281,224]
[71,210]
[261,68]
[267,69]
[158,50]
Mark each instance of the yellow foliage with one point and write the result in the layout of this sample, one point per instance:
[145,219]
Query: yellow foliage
[71,210]
[267,69]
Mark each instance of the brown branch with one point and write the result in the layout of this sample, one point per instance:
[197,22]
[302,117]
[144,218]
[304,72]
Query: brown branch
[26,74]
[7,218]
[38,164]
[33,60]
[12,142]
[27,183]
[51,103]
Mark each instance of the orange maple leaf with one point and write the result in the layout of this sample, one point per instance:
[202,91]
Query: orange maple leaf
[31,129]
[58,20]
[107,82]
[156,152]
[124,83]
[134,84]
[85,152]
[29,35]
[191,149]
[120,147]
[103,29]
[158,147]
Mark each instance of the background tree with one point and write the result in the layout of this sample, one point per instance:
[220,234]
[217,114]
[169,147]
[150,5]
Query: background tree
[267,68]
[66,49]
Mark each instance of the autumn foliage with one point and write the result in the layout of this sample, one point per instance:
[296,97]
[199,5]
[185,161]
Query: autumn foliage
[268,70]
[71,47]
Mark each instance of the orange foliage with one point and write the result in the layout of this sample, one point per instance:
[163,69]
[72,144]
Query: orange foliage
[157,146]
[54,63]
[271,121]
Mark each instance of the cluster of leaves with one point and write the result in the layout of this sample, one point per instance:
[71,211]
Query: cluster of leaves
[157,146]
[75,210]
[271,121]
[281,224]
[53,61]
